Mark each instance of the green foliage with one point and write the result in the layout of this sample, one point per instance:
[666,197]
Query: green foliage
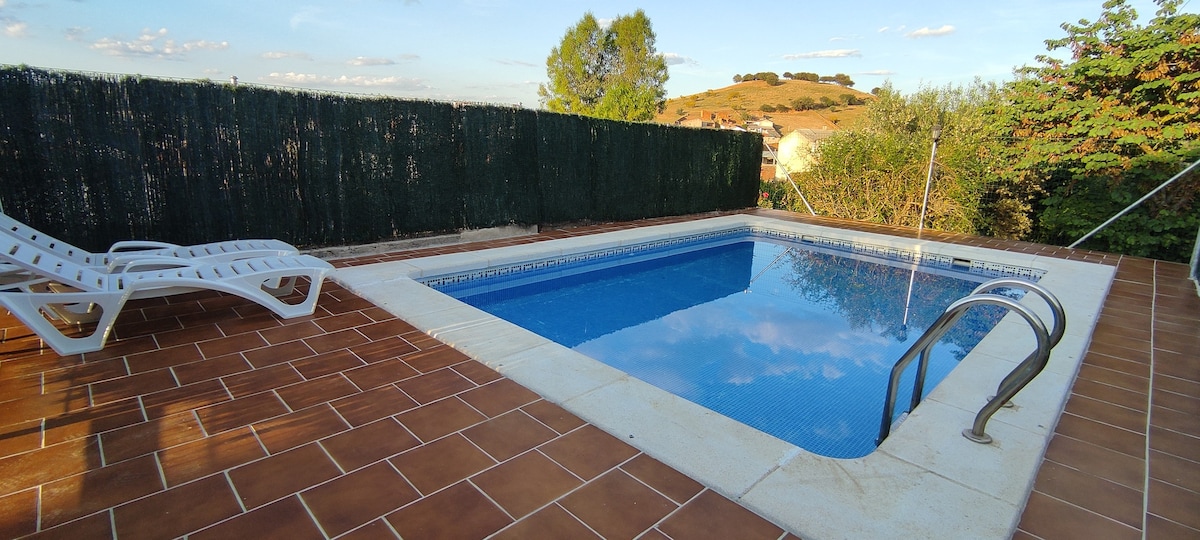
[804,103]
[876,170]
[1095,132]
[612,73]
[840,78]
[576,68]
[771,78]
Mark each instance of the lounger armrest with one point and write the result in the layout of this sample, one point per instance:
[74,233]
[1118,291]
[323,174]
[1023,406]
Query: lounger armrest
[155,262]
[136,245]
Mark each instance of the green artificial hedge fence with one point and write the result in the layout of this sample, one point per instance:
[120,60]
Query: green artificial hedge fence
[95,159]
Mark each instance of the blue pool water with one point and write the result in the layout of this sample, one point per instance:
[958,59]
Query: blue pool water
[793,341]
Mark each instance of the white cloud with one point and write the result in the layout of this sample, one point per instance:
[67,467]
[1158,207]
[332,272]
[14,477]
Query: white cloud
[931,32]
[829,53]
[675,59]
[367,61]
[281,55]
[16,29]
[155,44]
[882,29]
[508,62]
[883,72]
[204,44]
[75,33]
[312,79]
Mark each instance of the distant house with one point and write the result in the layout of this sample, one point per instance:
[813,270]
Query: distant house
[798,150]
[729,120]
[708,119]
[768,169]
[768,129]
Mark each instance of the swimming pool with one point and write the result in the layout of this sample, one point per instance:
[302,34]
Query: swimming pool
[924,481]
[789,337]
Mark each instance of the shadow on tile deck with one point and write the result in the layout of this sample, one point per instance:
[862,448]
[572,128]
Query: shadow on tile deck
[211,417]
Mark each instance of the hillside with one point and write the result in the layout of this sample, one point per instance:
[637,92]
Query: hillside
[748,97]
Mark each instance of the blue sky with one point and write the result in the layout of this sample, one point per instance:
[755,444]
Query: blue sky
[495,50]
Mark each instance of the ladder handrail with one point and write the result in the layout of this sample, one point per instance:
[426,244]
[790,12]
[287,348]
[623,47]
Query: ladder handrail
[1058,326]
[1012,383]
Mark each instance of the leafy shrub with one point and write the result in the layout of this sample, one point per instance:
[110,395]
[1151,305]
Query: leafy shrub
[804,103]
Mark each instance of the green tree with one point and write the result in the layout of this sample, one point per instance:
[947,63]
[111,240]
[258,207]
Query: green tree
[1096,132]
[804,103]
[576,68]
[611,72]
[770,77]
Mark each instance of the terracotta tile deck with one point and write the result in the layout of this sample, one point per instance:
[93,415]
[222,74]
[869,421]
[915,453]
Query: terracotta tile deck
[209,417]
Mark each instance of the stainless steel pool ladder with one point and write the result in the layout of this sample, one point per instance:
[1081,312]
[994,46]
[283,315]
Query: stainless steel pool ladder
[1012,383]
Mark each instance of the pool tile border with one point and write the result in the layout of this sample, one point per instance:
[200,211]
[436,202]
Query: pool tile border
[564,262]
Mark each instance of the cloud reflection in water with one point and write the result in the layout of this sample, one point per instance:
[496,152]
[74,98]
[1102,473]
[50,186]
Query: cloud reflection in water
[794,343]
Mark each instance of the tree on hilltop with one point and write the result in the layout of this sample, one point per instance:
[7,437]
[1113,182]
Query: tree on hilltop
[840,79]
[612,72]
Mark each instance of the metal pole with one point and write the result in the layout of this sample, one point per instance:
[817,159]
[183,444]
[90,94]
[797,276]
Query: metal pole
[937,134]
[788,175]
[1137,202]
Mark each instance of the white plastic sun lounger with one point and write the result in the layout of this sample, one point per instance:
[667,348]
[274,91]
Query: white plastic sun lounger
[53,285]
[126,251]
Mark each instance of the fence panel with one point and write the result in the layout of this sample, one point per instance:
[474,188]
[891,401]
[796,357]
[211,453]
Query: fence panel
[95,159]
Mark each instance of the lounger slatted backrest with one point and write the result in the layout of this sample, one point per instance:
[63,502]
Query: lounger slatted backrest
[52,265]
[128,251]
[50,243]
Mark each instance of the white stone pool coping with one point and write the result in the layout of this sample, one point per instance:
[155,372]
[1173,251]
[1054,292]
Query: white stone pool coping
[925,481]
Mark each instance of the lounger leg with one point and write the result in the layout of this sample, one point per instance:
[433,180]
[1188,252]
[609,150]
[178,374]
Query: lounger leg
[280,287]
[258,288]
[28,308]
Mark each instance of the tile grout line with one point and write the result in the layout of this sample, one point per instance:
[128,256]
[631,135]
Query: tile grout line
[1149,403]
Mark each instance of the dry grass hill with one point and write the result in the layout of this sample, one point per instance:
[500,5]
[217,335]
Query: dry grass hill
[747,98]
